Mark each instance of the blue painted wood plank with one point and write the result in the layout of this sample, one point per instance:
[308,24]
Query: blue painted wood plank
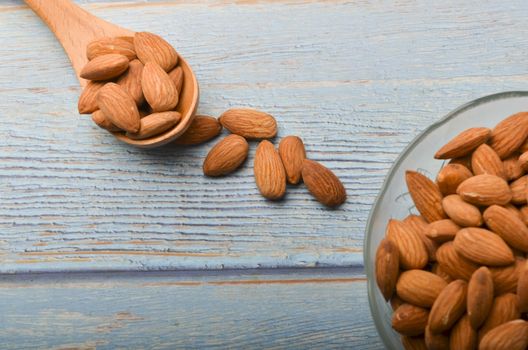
[356,80]
[306,309]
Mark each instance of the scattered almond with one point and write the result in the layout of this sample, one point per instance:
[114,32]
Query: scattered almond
[226,156]
[323,184]
[249,123]
[202,129]
[270,175]
[292,153]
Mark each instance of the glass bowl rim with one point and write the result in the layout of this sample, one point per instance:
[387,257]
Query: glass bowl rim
[371,284]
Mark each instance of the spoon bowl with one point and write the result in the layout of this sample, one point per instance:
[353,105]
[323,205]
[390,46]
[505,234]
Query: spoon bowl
[75,28]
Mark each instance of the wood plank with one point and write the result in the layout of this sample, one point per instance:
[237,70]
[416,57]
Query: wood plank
[308,309]
[356,80]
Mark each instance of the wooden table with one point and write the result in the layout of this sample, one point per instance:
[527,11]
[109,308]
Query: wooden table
[107,246]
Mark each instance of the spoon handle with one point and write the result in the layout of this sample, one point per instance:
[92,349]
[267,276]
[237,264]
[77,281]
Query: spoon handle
[74,27]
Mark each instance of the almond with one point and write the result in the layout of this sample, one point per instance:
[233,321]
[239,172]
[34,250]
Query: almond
[512,335]
[524,147]
[439,271]
[153,48]
[508,136]
[105,67]
[523,161]
[155,124]
[485,190]
[396,302]
[448,307]
[524,214]
[426,196]
[514,211]
[104,46]
[159,90]
[270,176]
[413,254]
[483,247]
[519,191]
[419,287]
[463,336]
[454,264]
[512,168]
[226,156]
[410,320]
[119,107]
[387,267]
[435,341]
[249,123]
[486,161]
[413,343]
[419,226]
[461,212]
[508,226]
[465,161]
[505,278]
[442,230]
[88,100]
[522,288]
[127,38]
[176,76]
[292,153]
[99,118]
[480,296]
[505,308]
[463,143]
[323,184]
[130,81]
[450,176]
[202,129]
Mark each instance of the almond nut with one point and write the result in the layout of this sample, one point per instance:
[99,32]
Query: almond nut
[270,175]
[450,176]
[105,67]
[153,48]
[426,196]
[387,267]
[463,143]
[323,184]
[292,153]
[480,296]
[419,287]
[159,90]
[413,254]
[88,100]
[119,107]
[461,212]
[448,307]
[226,156]
[130,81]
[485,190]
[154,124]
[202,129]
[410,320]
[249,123]
[104,46]
[508,136]
[483,247]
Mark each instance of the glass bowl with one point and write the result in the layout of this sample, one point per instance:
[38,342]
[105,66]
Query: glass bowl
[394,201]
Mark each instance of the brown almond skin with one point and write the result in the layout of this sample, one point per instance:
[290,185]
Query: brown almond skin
[505,308]
[249,123]
[202,129]
[512,168]
[292,153]
[435,341]
[413,343]
[461,212]
[463,143]
[155,124]
[387,267]
[439,271]
[396,302]
[119,107]
[104,46]
[505,279]
[419,287]
[153,48]
[270,175]
[508,136]
[450,176]
[426,196]
[508,226]
[465,161]
[453,263]
[512,335]
[485,190]
[524,214]
[522,288]
[159,90]
[463,336]
[410,320]
[442,230]
[99,118]
[323,184]
[519,191]
[177,77]
[105,67]
[413,253]
[480,296]
[523,160]
[448,307]
[483,247]
[486,161]
[226,156]
[130,81]
[88,100]
[419,226]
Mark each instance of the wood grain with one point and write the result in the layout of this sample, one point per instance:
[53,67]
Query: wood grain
[356,80]
[315,309]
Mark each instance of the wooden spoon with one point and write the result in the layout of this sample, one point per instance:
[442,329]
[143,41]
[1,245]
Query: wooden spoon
[75,29]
